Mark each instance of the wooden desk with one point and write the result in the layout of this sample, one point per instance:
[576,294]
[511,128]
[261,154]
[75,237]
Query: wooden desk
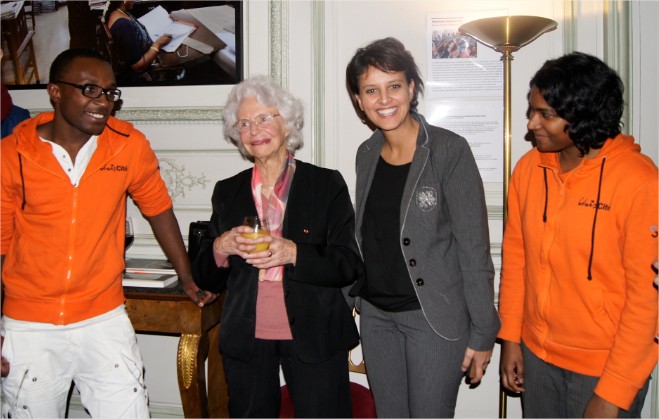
[170,311]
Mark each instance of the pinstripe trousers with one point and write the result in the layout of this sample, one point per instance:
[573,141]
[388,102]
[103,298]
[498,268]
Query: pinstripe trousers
[412,371]
[553,392]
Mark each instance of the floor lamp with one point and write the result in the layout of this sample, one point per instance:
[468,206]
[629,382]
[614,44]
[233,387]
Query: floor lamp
[507,34]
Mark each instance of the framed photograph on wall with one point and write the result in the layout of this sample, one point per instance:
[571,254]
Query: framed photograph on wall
[149,43]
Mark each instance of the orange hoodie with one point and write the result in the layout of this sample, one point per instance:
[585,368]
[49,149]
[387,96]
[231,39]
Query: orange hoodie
[64,245]
[595,318]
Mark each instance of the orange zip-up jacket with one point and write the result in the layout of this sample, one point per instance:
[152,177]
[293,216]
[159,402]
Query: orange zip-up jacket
[595,318]
[64,244]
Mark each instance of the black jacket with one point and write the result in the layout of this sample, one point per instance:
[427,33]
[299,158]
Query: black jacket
[320,220]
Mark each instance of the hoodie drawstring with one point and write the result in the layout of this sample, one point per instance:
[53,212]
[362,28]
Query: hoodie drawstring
[597,207]
[544,212]
[20,168]
[123,134]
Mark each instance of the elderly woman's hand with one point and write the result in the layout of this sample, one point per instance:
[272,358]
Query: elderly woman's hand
[281,252]
[233,243]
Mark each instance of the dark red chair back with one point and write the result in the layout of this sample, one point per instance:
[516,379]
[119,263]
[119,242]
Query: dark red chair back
[362,402]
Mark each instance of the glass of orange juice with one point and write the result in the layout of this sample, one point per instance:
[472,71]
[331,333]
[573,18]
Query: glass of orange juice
[259,228]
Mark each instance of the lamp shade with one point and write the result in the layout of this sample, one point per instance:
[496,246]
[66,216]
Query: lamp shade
[507,33]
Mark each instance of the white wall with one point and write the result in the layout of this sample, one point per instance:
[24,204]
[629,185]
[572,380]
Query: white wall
[306,45]
[645,91]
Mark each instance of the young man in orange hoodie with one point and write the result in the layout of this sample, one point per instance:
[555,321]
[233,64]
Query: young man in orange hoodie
[65,179]
[577,303]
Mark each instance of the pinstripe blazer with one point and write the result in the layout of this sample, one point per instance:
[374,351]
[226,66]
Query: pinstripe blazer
[444,233]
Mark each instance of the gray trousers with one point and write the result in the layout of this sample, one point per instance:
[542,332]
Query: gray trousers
[553,392]
[412,371]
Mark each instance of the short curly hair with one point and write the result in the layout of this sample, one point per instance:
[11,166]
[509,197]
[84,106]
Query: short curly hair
[267,93]
[585,92]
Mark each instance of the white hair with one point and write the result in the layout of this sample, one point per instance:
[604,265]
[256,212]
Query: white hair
[267,93]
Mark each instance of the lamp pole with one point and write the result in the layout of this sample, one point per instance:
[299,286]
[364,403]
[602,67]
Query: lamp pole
[507,59]
[507,34]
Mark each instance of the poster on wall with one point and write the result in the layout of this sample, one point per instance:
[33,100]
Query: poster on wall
[479,122]
[458,66]
[464,88]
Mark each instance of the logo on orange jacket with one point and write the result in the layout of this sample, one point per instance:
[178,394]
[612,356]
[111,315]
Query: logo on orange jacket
[114,167]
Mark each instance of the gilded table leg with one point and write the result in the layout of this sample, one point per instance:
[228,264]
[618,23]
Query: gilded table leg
[218,393]
[190,362]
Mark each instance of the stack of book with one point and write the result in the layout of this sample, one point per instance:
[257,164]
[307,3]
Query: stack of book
[150,273]
[9,10]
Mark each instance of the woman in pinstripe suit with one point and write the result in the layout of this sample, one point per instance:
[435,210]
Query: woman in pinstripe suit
[427,300]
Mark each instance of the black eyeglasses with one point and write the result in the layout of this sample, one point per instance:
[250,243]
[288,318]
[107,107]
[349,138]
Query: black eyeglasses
[93,91]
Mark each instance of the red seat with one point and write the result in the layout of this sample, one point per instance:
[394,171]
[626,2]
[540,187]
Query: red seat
[362,402]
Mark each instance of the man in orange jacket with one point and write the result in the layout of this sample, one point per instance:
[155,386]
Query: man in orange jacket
[577,303]
[65,180]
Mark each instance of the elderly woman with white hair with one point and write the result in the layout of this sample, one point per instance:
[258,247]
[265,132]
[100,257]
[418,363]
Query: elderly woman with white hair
[284,305]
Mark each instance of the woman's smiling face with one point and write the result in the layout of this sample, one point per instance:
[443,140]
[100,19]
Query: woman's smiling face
[548,128]
[262,140]
[385,97]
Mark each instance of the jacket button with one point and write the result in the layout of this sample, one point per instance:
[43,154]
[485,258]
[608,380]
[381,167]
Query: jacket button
[292,322]
[419,282]
[413,262]
[406,241]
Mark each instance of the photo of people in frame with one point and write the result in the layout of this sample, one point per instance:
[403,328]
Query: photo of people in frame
[449,44]
[149,43]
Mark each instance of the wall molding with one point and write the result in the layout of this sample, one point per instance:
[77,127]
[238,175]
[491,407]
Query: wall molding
[619,50]
[163,115]
[318,111]
[279,42]
[172,116]
[495,212]
[570,13]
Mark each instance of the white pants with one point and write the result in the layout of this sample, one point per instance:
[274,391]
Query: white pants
[99,355]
